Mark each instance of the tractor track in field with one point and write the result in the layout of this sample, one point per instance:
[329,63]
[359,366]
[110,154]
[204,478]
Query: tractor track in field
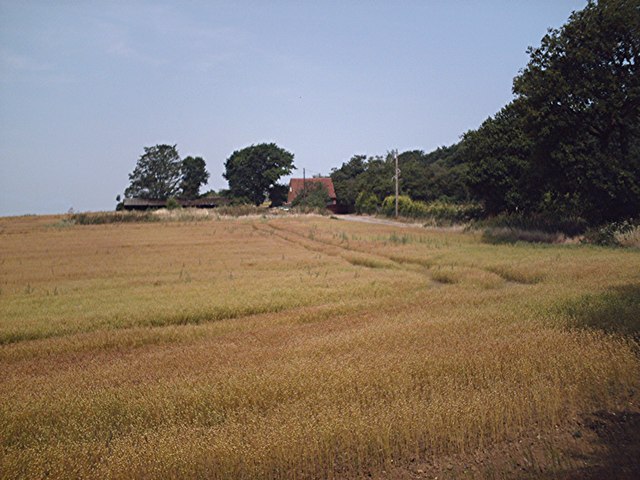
[375,260]
[350,255]
[397,223]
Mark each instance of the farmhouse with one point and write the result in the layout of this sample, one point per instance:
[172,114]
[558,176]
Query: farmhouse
[297,185]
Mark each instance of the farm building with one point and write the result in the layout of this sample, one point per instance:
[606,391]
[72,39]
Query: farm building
[150,204]
[297,186]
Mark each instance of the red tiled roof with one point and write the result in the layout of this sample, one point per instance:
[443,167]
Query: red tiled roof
[297,184]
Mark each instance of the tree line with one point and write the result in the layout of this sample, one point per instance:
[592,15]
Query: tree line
[566,147]
[252,173]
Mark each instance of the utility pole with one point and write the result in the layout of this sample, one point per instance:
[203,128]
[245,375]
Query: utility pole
[397,178]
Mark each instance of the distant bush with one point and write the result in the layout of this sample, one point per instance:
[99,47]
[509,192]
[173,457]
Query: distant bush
[553,224]
[511,228]
[240,210]
[163,215]
[615,234]
[630,238]
[441,211]
[172,204]
[367,203]
[101,218]
[499,235]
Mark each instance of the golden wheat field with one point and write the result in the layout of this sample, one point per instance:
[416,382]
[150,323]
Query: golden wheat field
[300,347]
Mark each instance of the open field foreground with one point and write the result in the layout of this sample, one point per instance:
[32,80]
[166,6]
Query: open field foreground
[309,347]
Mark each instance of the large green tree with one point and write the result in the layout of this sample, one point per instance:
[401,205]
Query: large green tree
[497,153]
[254,171]
[569,143]
[194,175]
[157,174]
[345,182]
[438,175]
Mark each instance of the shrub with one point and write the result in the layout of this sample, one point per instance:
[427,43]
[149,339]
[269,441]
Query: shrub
[497,235]
[630,238]
[240,210]
[113,217]
[610,234]
[367,203]
[438,210]
[172,204]
[546,223]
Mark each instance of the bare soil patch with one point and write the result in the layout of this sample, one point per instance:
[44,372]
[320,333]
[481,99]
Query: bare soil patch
[602,445]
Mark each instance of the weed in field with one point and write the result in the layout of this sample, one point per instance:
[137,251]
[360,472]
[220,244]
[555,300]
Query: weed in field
[515,274]
[445,275]
[368,262]
[312,233]
[343,237]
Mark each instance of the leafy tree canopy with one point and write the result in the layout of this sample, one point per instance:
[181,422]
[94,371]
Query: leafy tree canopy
[440,174]
[497,152]
[254,171]
[346,181]
[569,144]
[194,175]
[580,97]
[157,174]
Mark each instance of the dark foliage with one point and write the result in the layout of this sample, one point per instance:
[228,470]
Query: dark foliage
[194,175]
[568,146]
[439,175]
[254,171]
[278,194]
[157,174]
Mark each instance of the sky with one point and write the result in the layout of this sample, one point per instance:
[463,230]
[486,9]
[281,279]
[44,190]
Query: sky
[86,85]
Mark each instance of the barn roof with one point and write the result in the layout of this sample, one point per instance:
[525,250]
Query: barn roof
[297,184]
[143,202]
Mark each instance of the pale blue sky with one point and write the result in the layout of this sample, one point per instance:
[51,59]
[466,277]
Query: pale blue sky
[84,86]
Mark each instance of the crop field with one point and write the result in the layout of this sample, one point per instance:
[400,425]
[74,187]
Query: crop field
[311,347]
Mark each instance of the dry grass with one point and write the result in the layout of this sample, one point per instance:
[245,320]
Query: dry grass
[630,238]
[295,347]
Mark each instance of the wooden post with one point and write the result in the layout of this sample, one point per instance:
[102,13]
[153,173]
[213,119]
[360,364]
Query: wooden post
[397,177]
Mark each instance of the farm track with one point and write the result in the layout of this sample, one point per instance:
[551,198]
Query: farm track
[395,223]
[325,247]
[377,260]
